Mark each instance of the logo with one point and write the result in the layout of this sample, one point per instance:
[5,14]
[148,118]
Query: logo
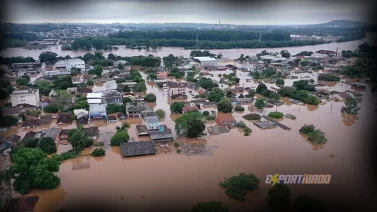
[298,179]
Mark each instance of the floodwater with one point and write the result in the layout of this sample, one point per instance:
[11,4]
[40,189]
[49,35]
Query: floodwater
[169,179]
[165,51]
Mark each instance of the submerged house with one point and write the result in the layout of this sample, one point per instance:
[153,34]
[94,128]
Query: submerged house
[226,121]
[97,112]
[153,122]
[137,148]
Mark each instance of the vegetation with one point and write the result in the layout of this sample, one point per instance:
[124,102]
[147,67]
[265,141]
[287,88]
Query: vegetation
[350,107]
[113,108]
[125,125]
[140,87]
[225,105]
[90,82]
[252,116]
[317,137]
[300,95]
[279,82]
[62,82]
[306,129]
[278,198]
[160,113]
[24,80]
[30,142]
[177,107]
[207,83]
[247,131]
[303,85]
[51,109]
[48,57]
[205,113]
[305,203]
[150,97]
[266,73]
[6,88]
[119,137]
[305,53]
[190,125]
[216,94]
[47,145]
[237,186]
[276,115]
[209,207]
[328,77]
[98,152]
[259,103]
[79,139]
[261,88]
[211,117]
[97,70]
[70,154]
[8,121]
[32,169]
[239,108]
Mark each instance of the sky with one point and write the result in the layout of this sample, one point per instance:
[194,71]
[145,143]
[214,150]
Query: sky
[267,12]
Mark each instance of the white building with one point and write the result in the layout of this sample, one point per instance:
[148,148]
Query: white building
[206,61]
[94,98]
[69,64]
[107,86]
[30,96]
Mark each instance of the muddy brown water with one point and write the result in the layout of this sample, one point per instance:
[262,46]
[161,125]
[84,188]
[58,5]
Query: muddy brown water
[165,51]
[170,179]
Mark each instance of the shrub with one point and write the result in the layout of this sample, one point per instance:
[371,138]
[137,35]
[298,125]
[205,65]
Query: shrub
[259,103]
[241,125]
[239,108]
[210,117]
[247,131]
[252,116]
[237,186]
[307,129]
[51,109]
[276,115]
[317,137]
[176,144]
[209,207]
[179,150]
[328,77]
[205,113]
[150,97]
[125,125]
[160,113]
[66,155]
[119,137]
[98,152]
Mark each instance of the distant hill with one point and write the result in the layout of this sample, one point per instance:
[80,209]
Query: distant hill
[343,23]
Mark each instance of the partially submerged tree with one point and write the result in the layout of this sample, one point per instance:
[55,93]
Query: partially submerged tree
[120,137]
[190,124]
[278,198]
[79,139]
[177,107]
[237,186]
[317,137]
[47,145]
[225,105]
[350,107]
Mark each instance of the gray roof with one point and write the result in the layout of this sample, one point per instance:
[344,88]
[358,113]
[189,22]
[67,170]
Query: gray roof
[51,132]
[142,129]
[152,119]
[167,136]
[137,148]
[135,108]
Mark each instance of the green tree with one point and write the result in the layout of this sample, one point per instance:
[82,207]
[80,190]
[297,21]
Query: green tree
[317,137]
[113,108]
[225,105]
[51,109]
[98,152]
[350,107]
[209,207]
[8,120]
[278,198]
[259,103]
[285,91]
[279,82]
[205,113]
[97,70]
[32,169]
[305,203]
[119,137]
[79,139]
[140,87]
[150,97]
[190,125]
[239,108]
[306,129]
[48,57]
[206,83]
[237,80]
[237,186]
[24,80]
[276,115]
[6,177]
[177,107]
[63,82]
[160,113]
[126,99]
[303,85]
[30,142]
[47,145]
[261,87]
[216,94]
[285,53]
[90,82]
[252,116]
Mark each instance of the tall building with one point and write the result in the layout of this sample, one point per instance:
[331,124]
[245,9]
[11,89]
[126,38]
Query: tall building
[29,96]
[69,64]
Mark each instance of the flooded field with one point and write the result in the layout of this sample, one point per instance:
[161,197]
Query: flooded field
[169,179]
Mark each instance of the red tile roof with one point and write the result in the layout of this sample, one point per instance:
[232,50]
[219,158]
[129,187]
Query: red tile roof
[221,120]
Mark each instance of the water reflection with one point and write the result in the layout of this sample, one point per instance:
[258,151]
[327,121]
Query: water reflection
[348,119]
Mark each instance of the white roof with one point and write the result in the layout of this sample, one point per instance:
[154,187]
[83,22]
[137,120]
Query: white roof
[78,111]
[205,59]
[110,85]
[94,95]
[94,101]
[128,83]
[75,60]
[96,108]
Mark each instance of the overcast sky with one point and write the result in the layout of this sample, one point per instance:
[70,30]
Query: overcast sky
[269,12]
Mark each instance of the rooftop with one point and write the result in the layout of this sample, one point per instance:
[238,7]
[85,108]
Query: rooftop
[202,59]
[26,91]
[94,95]
[152,119]
[137,148]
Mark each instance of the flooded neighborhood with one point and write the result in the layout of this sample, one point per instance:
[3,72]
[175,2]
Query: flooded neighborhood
[149,126]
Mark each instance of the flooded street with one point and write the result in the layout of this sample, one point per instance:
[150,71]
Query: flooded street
[165,51]
[150,183]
